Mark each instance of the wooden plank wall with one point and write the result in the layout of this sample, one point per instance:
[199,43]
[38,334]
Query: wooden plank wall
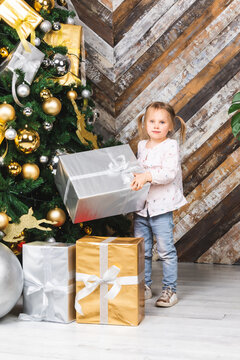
[186,53]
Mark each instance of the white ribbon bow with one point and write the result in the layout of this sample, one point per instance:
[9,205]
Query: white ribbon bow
[91,282]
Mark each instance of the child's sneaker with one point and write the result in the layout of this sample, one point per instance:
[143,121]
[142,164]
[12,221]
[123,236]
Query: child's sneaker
[148,292]
[168,298]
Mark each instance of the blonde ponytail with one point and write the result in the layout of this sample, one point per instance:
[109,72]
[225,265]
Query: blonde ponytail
[183,128]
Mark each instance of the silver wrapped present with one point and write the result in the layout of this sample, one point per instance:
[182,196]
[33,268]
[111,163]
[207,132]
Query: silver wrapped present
[95,184]
[49,281]
[28,62]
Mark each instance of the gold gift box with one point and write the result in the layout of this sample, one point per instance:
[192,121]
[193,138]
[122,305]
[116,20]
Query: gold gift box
[20,16]
[109,280]
[69,36]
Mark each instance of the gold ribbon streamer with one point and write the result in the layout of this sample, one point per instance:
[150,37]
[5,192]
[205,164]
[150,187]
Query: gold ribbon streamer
[6,150]
[2,132]
[82,132]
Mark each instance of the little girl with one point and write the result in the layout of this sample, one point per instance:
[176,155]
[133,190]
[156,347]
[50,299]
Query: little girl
[160,157]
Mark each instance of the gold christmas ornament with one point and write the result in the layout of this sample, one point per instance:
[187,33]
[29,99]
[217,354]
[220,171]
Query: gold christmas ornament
[30,171]
[52,106]
[88,230]
[27,221]
[14,168]
[3,220]
[56,215]
[72,94]
[46,5]
[45,94]
[7,113]
[27,140]
[4,52]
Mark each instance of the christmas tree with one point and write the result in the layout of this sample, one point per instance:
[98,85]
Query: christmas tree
[45,110]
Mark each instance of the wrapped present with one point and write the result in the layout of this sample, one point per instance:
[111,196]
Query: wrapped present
[20,16]
[95,184]
[110,280]
[49,281]
[69,36]
[28,62]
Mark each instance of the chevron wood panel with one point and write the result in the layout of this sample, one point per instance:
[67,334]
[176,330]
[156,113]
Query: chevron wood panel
[186,53]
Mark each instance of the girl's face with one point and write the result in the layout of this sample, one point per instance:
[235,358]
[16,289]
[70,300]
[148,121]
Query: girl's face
[158,124]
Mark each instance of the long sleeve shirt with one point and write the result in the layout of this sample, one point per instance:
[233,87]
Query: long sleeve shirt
[166,190]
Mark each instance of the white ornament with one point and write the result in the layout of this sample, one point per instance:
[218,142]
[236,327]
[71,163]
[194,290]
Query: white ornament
[43,159]
[45,26]
[23,90]
[86,93]
[10,134]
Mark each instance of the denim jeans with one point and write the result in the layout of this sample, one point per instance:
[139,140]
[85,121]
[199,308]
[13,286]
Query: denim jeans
[162,227]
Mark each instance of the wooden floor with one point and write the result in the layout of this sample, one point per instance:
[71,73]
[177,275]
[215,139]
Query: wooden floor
[204,325]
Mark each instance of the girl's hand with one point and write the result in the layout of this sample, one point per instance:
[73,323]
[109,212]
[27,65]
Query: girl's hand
[140,180]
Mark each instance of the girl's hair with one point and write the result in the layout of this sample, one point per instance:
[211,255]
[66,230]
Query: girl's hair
[158,105]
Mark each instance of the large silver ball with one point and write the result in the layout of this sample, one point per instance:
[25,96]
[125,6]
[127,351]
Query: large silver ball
[11,280]
[43,159]
[10,134]
[23,90]
[45,26]
[27,111]
[70,21]
[86,93]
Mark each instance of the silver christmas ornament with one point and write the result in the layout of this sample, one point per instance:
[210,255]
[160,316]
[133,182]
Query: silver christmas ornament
[62,64]
[46,63]
[10,134]
[86,93]
[11,280]
[45,26]
[51,240]
[37,41]
[70,21]
[23,90]
[2,234]
[47,125]
[1,161]
[43,159]
[56,26]
[27,111]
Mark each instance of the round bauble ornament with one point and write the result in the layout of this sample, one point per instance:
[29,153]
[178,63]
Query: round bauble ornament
[46,63]
[45,94]
[70,21]
[56,26]
[43,159]
[72,94]
[1,161]
[61,63]
[23,90]
[7,113]
[45,26]
[30,171]
[37,41]
[86,93]
[4,52]
[46,5]
[27,111]
[52,106]
[10,134]
[47,126]
[57,215]
[2,234]
[62,3]
[88,230]
[51,240]
[11,280]
[4,220]
[14,168]
[27,140]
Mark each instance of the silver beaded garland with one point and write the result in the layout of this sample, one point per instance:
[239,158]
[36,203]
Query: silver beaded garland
[27,111]
[23,90]
[43,159]
[10,134]
[47,125]
[45,26]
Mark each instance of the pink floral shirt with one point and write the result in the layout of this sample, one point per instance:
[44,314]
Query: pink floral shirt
[166,190]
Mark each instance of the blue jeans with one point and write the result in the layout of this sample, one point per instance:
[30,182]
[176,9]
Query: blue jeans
[162,227]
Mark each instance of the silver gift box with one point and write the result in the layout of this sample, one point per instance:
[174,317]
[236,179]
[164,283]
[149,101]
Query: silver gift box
[49,281]
[28,62]
[95,184]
